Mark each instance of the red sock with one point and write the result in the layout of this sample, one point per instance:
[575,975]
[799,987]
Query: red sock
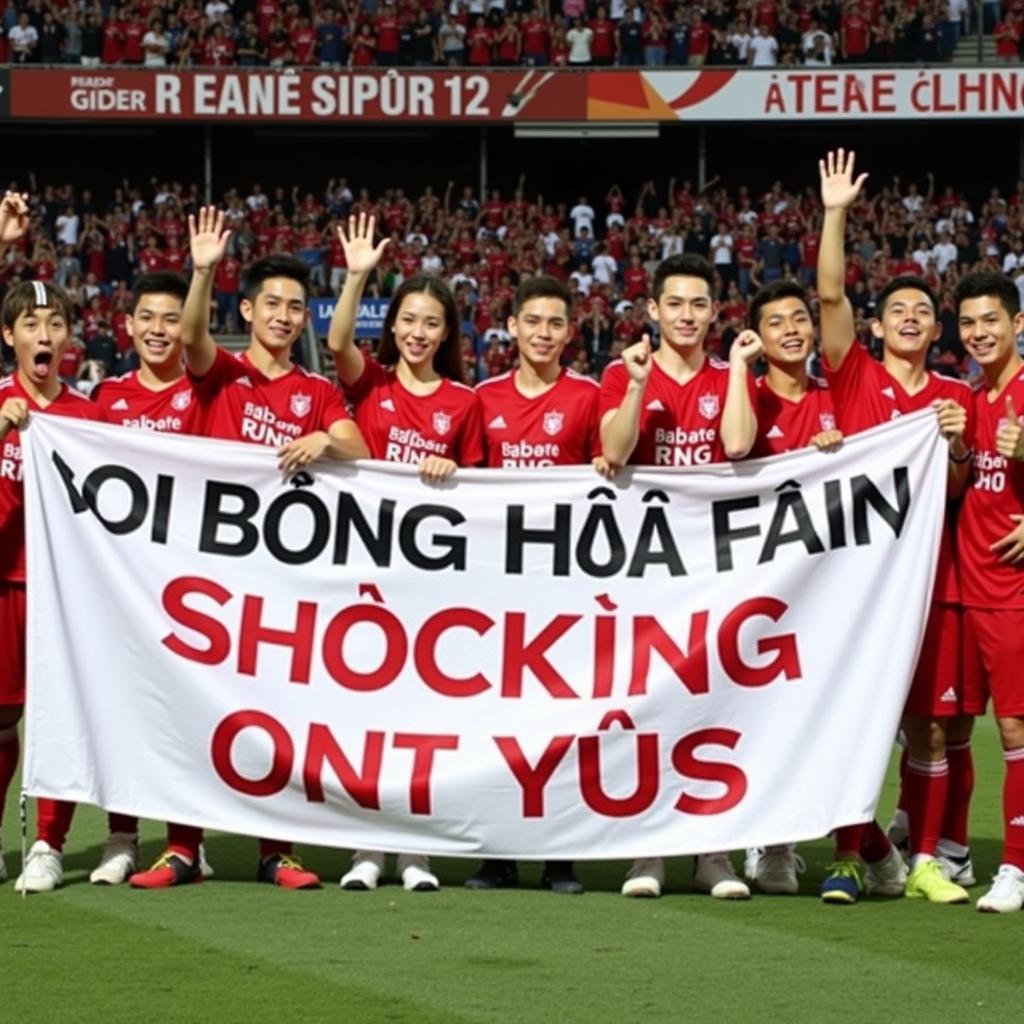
[961,786]
[10,748]
[848,842]
[874,843]
[123,823]
[1013,808]
[53,820]
[926,784]
[273,847]
[901,803]
[184,840]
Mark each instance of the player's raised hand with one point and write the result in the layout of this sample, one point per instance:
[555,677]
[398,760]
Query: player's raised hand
[13,217]
[952,418]
[1010,434]
[839,188]
[1011,547]
[637,359]
[13,414]
[746,348]
[361,255]
[207,237]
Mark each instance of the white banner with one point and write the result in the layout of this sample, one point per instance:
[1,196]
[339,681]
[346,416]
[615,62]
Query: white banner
[524,663]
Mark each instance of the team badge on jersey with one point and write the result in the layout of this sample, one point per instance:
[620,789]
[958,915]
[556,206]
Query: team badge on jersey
[553,422]
[442,422]
[708,406]
[827,421]
[301,404]
[181,401]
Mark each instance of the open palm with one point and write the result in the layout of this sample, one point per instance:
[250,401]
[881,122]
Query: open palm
[839,189]
[361,255]
[208,241]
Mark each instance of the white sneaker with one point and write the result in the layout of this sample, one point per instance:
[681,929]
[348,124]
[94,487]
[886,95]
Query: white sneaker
[777,870]
[645,878]
[43,871]
[888,877]
[898,832]
[1006,894]
[204,864]
[414,870]
[751,861]
[713,873]
[365,872]
[957,869]
[119,860]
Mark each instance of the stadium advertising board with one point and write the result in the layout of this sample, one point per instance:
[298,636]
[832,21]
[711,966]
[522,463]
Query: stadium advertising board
[529,663]
[369,318]
[524,94]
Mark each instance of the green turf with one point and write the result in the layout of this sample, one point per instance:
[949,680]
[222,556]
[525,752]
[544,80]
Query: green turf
[231,950]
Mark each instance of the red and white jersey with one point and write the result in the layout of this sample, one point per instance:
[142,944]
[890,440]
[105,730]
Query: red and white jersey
[995,493]
[679,423]
[12,493]
[238,403]
[784,424]
[399,426]
[557,428]
[129,403]
[864,395]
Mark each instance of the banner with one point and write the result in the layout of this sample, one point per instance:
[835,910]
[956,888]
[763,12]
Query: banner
[523,663]
[531,95]
[369,316]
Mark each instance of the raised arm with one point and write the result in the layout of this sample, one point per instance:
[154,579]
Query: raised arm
[361,257]
[208,241]
[13,219]
[739,420]
[839,191]
[620,428]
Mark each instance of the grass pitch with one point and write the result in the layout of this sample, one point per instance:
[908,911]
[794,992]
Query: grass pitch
[231,950]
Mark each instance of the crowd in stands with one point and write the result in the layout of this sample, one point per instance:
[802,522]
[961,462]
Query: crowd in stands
[335,34]
[606,247]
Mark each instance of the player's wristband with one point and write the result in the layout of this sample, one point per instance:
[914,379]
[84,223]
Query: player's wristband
[966,457]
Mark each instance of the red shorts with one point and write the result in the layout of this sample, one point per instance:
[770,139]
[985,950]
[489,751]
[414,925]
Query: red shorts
[994,661]
[935,690]
[12,643]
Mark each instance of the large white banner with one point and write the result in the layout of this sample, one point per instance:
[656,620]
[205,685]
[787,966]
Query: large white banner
[528,663]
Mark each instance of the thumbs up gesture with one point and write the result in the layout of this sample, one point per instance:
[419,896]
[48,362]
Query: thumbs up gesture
[1010,435]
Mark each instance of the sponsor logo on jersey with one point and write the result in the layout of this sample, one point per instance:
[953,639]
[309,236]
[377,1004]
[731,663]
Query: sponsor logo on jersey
[498,423]
[181,401]
[827,421]
[301,404]
[774,432]
[442,422]
[707,406]
[120,405]
[553,422]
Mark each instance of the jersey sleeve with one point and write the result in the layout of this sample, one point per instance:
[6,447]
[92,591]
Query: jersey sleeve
[847,382]
[333,407]
[591,420]
[471,440]
[225,369]
[614,382]
[373,376]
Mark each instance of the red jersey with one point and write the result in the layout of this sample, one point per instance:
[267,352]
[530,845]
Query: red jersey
[635,280]
[700,39]
[399,426]
[557,428]
[238,403]
[603,42]
[133,34]
[996,493]
[783,424]
[151,260]
[113,43]
[856,31]
[12,493]
[387,33]
[129,403]
[679,424]
[535,37]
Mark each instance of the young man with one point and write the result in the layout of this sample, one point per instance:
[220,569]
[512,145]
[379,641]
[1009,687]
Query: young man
[540,414]
[677,407]
[991,550]
[866,393]
[36,321]
[261,397]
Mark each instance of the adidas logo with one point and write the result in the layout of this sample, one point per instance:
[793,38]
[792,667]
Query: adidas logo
[1018,822]
[388,404]
[889,393]
[949,696]
[655,406]
[120,405]
[498,423]
[244,381]
[774,432]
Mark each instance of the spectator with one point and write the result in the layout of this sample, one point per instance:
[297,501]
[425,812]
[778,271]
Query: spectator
[629,41]
[579,38]
[452,42]
[700,40]
[155,45]
[764,48]
[853,36]
[602,45]
[23,40]
[655,39]
[678,36]
[740,41]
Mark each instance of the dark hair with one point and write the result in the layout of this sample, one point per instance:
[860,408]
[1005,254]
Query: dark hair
[27,296]
[159,282]
[781,289]
[448,357]
[542,286]
[988,282]
[919,284]
[274,266]
[686,265]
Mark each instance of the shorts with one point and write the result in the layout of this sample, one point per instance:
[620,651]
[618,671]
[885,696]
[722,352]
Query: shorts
[935,689]
[993,641]
[12,642]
